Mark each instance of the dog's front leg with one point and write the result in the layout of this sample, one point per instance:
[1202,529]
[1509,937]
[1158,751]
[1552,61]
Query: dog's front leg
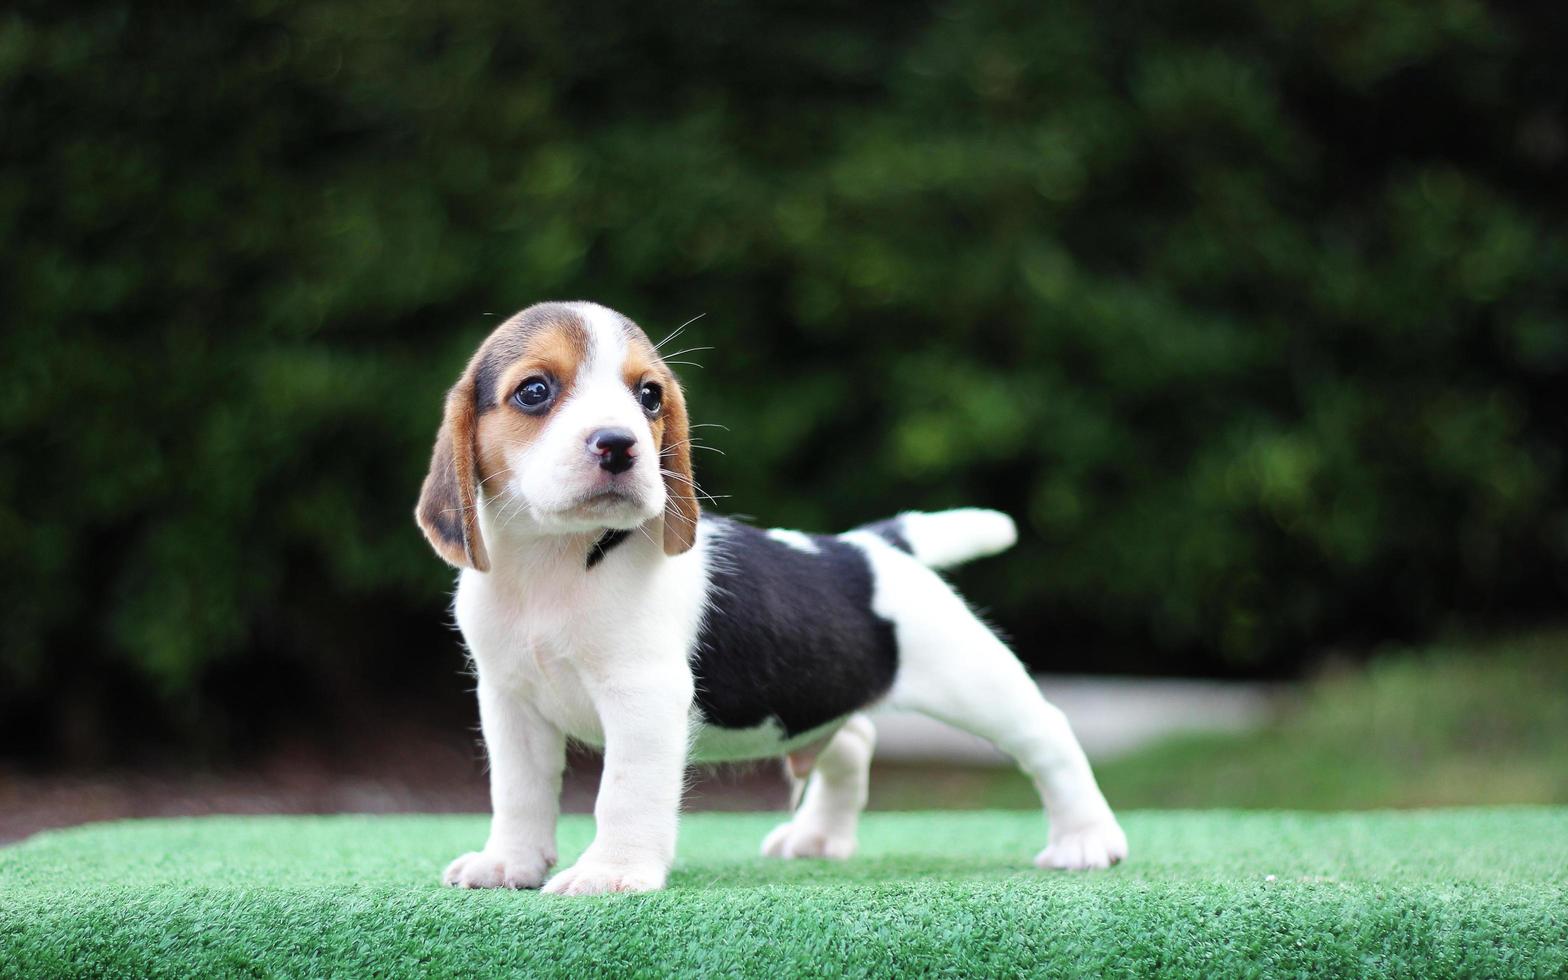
[527,754]
[645,721]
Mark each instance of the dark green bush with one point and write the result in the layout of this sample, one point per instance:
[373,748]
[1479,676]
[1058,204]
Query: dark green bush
[1253,313]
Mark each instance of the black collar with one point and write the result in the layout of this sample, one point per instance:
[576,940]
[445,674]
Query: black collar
[602,546]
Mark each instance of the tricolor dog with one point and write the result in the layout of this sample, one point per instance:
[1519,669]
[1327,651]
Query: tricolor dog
[599,603]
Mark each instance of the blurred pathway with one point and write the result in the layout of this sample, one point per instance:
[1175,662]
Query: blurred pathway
[1111,715]
[424,768]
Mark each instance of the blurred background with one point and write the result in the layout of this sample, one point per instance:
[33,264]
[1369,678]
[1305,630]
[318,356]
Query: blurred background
[1254,315]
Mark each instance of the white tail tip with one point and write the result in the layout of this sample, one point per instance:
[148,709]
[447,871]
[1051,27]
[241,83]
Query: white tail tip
[951,537]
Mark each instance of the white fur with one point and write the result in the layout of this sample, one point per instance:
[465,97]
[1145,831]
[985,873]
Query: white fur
[795,539]
[954,669]
[952,537]
[603,655]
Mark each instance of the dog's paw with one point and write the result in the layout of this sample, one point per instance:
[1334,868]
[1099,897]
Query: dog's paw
[801,840]
[481,869]
[593,877]
[1097,845]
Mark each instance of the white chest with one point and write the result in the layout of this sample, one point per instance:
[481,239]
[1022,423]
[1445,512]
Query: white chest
[538,651]
[577,644]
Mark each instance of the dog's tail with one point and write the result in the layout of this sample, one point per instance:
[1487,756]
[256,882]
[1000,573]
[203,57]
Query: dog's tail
[947,537]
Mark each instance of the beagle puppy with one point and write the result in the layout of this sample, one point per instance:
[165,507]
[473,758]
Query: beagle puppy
[599,603]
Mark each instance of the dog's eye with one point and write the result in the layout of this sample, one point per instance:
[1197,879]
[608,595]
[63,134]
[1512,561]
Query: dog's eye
[532,394]
[651,396]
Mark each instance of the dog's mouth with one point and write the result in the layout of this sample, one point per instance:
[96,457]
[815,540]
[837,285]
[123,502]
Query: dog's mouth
[610,498]
[610,501]
[607,495]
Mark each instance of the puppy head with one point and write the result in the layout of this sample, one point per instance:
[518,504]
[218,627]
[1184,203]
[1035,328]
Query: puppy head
[567,421]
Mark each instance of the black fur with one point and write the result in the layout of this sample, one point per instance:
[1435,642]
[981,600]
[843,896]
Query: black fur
[891,531]
[602,546]
[487,375]
[440,508]
[448,525]
[788,635]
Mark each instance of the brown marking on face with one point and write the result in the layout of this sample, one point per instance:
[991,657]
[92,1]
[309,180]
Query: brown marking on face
[554,350]
[672,437]
[550,333]
[643,365]
[681,511]
[547,339]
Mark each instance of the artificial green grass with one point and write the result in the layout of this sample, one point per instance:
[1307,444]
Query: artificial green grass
[1424,893]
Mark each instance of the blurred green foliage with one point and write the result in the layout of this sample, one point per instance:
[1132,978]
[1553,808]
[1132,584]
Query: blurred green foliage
[1253,313]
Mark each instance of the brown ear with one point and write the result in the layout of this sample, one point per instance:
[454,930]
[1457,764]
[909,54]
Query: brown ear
[448,509]
[680,487]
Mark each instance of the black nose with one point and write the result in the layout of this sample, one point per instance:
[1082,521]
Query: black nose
[614,449]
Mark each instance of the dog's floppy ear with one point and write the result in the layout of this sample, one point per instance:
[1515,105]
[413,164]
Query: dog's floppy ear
[448,506]
[680,488]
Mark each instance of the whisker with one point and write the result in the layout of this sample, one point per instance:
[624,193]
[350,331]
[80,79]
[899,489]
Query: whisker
[692,485]
[683,481]
[680,517]
[688,350]
[677,332]
[643,530]
[673,334]
[514,512]
[693,444]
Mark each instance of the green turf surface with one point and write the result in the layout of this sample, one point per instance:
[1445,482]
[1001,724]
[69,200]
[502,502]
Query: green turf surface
[1423,893]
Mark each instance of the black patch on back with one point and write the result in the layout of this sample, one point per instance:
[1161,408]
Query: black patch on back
[788,634]
[891,531]
[602,546]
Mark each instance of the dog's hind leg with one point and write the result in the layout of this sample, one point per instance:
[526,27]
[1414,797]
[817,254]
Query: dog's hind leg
[953,668]
[825,822]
